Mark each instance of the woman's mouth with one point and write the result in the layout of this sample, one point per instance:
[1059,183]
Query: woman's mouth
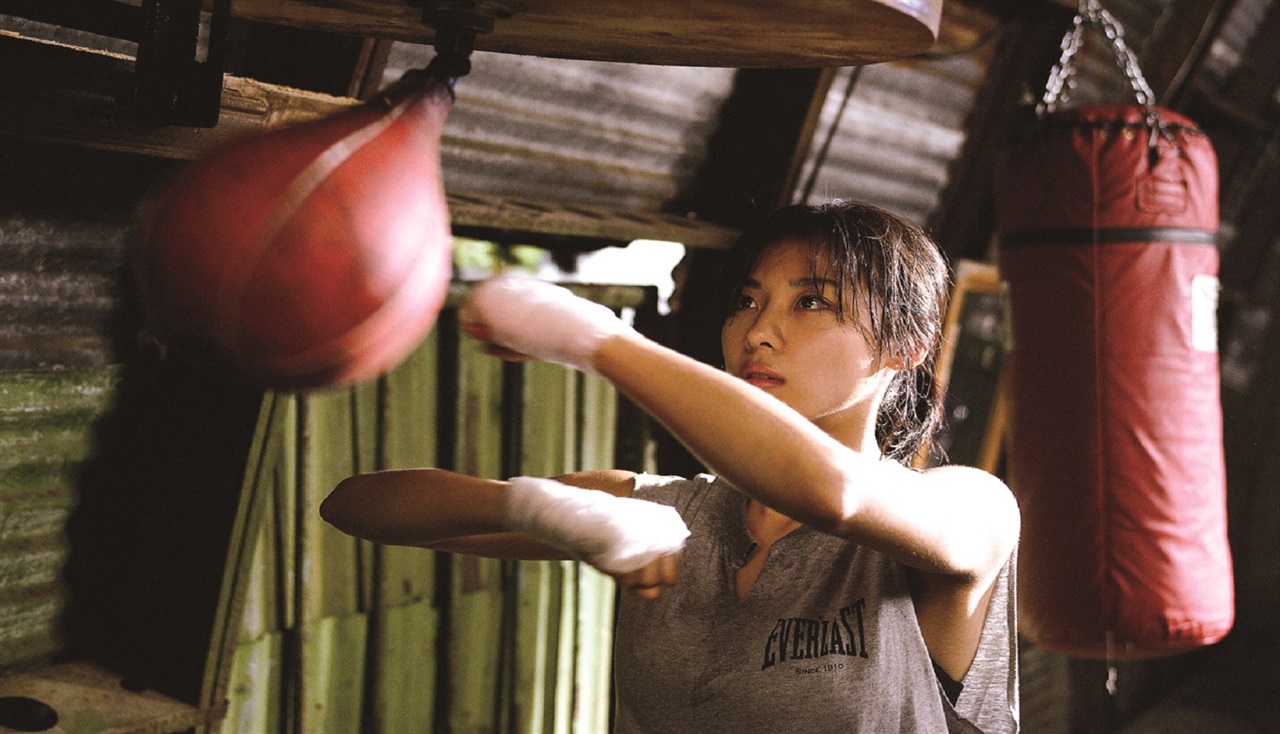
[760,375]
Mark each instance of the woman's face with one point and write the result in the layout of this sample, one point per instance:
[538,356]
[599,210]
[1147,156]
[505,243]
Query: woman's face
[785,337]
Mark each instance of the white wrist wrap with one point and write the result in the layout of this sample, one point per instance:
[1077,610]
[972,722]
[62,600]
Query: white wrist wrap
[542,320]
[614,534]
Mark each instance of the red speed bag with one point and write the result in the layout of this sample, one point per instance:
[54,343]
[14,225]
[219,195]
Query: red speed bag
[308,256]
[1114,430]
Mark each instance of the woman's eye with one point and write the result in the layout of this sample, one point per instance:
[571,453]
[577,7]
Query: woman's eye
[812,303]
[745,302]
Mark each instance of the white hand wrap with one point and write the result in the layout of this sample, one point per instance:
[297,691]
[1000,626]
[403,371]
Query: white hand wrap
[541,320]
[614,534]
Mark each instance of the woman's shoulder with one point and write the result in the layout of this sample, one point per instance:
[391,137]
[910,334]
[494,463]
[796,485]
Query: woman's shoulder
[967,476]
[689,495]
[979,489]
[657,487]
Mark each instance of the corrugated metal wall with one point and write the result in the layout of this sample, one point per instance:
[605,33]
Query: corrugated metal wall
[62,245]
[1239,28]
[47,421]
[886,148]
[341,635]
[876,142]
[606,134]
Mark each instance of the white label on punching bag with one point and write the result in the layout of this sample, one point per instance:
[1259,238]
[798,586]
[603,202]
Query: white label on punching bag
[1204,313]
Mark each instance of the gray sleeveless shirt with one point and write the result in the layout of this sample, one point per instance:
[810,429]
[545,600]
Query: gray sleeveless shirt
[825,641]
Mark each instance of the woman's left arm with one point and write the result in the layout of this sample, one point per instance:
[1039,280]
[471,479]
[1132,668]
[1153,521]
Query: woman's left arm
[957,521]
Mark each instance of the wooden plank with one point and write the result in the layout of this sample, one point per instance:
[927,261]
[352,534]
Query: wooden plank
[94,699]
[333,651]
[552,224]
[541,656]
[724,33]
[548,441]
[286,517]
[409,433]
[334,581]
[594,654]
[69,94]
[599,431]
[263,663]
[256,680]
[365,405]
[245,604]
[331,579]
[593,663]
[561,680]
[476,606]
[406,671]
[536,623]
[404,618]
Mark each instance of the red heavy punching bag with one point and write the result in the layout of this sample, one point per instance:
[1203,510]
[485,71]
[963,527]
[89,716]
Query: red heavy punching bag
[1107,219]
[308,256]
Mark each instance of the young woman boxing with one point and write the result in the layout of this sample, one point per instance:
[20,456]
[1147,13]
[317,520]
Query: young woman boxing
[811,581]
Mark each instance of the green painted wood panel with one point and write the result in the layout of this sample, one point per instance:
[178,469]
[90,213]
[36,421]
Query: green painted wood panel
[335,430]
[477,602]
[259,591]
[332,634]
[596,592]
[403,619]
[545,591]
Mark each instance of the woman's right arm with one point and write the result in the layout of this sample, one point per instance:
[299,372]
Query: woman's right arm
[442,510]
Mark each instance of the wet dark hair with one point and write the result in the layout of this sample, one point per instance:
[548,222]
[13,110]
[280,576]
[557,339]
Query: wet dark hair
[903,273]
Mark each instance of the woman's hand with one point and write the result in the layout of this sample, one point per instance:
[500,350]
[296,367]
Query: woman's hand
[647,582]
[525,318]
[482,333]
[618,535]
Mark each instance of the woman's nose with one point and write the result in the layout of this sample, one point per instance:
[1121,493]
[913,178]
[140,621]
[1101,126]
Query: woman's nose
[764,331]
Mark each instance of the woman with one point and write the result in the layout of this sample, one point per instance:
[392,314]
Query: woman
[824,585]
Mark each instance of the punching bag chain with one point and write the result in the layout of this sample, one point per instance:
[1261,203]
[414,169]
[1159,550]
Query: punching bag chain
[1090,15]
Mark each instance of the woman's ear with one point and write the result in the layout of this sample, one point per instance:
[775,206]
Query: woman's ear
[906,365]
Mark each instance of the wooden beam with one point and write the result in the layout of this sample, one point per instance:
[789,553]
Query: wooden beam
[1177,48]
[1247,156]
[1028,48]
[370,67]
[306,59]
[757,150]
[112,19]
[80,691]
[68,94]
